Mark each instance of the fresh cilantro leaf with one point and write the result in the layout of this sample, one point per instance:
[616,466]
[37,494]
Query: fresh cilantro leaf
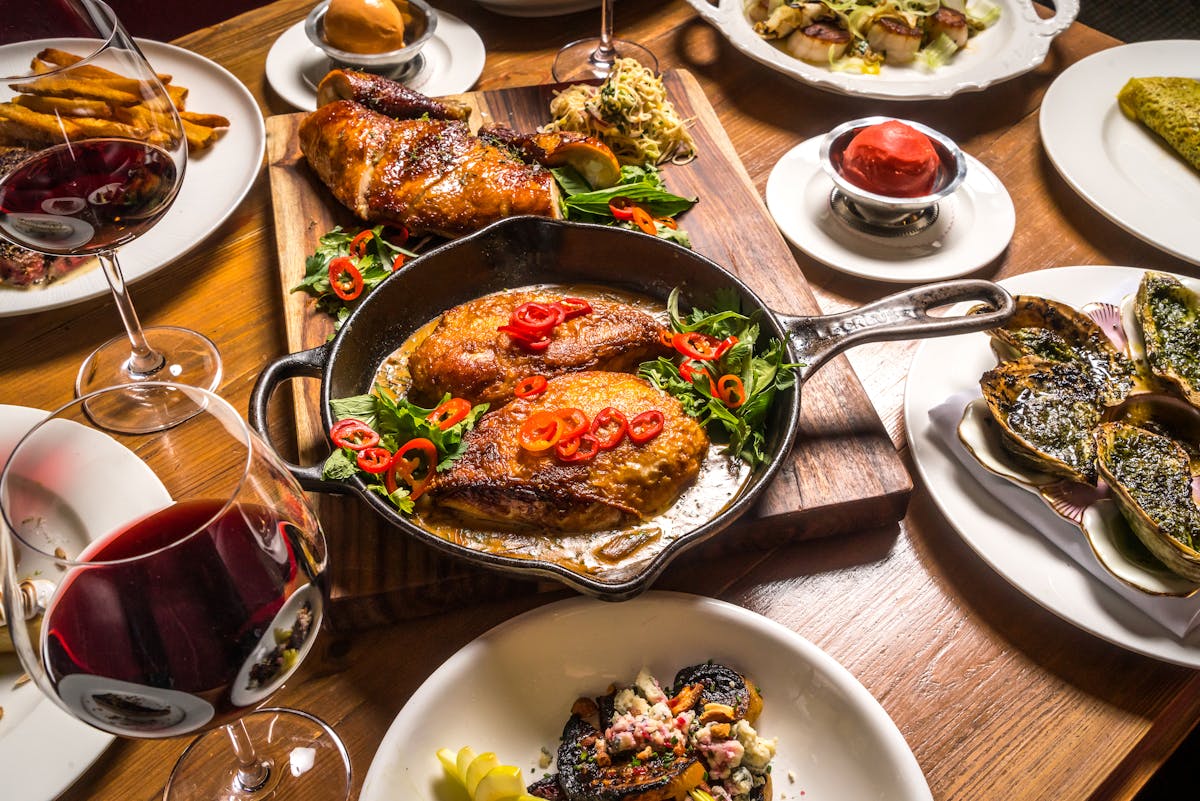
[340,465]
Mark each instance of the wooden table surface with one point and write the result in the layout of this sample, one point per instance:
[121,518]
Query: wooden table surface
[998,698]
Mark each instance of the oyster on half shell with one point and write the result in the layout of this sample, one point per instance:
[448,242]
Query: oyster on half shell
[1047,412]
[1168,318]
[1150,477]
[1060,333]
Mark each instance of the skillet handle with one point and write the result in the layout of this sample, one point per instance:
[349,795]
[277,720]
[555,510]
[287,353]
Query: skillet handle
[904,315]
[304,364]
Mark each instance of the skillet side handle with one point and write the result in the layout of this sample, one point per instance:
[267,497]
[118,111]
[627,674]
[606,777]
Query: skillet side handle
[304,364]
[904,315]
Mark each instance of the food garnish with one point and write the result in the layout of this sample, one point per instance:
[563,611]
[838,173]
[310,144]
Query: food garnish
[862,35]
[482,776]
[346,266]
[530,386]
[531,325]
[396,446]
[639,201]
[1170,107]
[726,349]
[630,112]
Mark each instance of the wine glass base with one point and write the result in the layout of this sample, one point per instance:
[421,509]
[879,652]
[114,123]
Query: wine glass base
[188,357]
[305,759]
[578,60]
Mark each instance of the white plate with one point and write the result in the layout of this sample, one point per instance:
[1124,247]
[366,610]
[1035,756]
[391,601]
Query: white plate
[1120,166]
[1025,558]
[42,748]
[453,62]
[510,691]
[214,183]
[974,224]
[1014,45]
[537,8]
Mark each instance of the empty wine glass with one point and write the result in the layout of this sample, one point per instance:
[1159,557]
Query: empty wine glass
[94,155]
[591,58]
[171,582]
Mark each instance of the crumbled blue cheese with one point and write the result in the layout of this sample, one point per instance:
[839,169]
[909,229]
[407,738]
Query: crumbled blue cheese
[758,751]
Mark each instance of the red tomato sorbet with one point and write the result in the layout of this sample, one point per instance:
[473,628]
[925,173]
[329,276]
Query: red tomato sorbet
[891,159]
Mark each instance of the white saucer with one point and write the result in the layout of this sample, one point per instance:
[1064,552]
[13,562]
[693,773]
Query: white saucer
[453,62]
[973,225]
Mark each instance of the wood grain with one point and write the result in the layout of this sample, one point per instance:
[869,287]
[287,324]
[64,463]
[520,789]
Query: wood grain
[843,473]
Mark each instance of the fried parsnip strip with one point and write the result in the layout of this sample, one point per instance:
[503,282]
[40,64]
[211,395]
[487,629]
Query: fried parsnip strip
[36,127]
[207,120]
[178,95]
[61,58]
[96,127]
[69,106]
[62,86]
[198,136]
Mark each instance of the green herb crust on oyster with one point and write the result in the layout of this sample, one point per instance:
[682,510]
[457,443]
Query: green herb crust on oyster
[1057,332]
[1168,314]
[1150,476]
[1046,412]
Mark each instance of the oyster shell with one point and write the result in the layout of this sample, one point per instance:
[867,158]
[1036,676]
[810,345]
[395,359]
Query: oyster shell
[1057,332]
[1168,319]
[1047,412]
[1150,477]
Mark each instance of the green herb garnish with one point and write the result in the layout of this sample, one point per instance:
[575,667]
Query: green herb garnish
[643,185]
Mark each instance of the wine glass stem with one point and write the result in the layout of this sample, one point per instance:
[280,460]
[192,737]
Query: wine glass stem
[605,53]
[144,361]
[252,773]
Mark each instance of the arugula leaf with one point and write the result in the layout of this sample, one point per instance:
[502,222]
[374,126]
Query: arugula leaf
[397,421]
[375,265]
[642,184]
[762,370]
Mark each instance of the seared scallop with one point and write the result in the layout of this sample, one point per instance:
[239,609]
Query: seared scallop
[898,41]
[819,42]
[951,23]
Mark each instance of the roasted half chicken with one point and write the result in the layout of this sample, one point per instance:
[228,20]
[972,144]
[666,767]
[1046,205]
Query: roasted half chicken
[466,356]
[500,483]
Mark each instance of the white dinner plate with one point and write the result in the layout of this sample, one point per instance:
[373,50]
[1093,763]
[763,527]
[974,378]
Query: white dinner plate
[974,224]
[453,62]
[1015,44]
[510,691]
[1117,165]
[214,183]
[42,748]
[1025,558]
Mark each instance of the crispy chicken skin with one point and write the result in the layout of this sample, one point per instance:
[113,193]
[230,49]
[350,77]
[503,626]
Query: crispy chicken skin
[467,357]
[499,483]
[432,176]
[386,96]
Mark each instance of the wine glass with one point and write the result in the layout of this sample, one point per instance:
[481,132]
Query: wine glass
[98,157]
[181,574]
[591,58]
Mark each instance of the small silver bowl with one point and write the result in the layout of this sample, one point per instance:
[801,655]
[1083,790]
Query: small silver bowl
[392,63]
[886,210]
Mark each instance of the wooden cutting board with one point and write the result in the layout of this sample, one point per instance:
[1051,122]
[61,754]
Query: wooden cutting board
[843,474]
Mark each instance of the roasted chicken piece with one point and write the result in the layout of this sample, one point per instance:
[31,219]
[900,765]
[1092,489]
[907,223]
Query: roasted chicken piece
[465,355]
[500,483]
[431,176]
[386,96]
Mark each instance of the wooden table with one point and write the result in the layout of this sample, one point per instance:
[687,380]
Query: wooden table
[998,698]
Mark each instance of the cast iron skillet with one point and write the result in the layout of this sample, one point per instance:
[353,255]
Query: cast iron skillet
[522,251]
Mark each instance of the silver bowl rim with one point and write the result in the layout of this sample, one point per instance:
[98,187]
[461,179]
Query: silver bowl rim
[391,58]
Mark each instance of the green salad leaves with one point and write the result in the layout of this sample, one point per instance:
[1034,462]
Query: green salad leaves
[643,185]
[375,259]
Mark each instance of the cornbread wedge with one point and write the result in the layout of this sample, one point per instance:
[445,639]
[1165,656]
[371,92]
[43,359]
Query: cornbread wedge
[1168,106]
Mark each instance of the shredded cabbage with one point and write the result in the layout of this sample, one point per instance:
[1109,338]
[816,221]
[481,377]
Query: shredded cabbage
[982,13]
[937,53]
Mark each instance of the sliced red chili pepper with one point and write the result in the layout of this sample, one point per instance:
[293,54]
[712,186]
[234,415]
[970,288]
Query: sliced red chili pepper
[696,345]
[415,463]
[691,370]
[731,390]
[373,459]
[537,318]
[646,426]
[450,413]
[669,222]
[344,278]
[537,345]
[399,261]
[580,449]
[353,434]
[530,386]
[666,338]
[609,427]
[726,343]
[526,339]
[575,422]
[358,245]
[643,220]
[540,431]
[574,307]
[397,235]
[621,207]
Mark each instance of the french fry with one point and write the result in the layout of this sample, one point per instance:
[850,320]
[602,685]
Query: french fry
[62,86]
[96,127]
[198,136]
[69,106]
[178,95]
[207,120]
[44,129]
[61,58]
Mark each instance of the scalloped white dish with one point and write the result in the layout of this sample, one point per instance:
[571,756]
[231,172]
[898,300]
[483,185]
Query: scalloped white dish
[1015,44]
[511,689]
[1023,556]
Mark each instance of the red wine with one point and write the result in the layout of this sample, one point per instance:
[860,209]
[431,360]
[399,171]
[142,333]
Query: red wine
[188,632]
[87,196]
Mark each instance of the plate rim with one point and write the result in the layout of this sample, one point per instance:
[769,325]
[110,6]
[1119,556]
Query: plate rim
[1090,601]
